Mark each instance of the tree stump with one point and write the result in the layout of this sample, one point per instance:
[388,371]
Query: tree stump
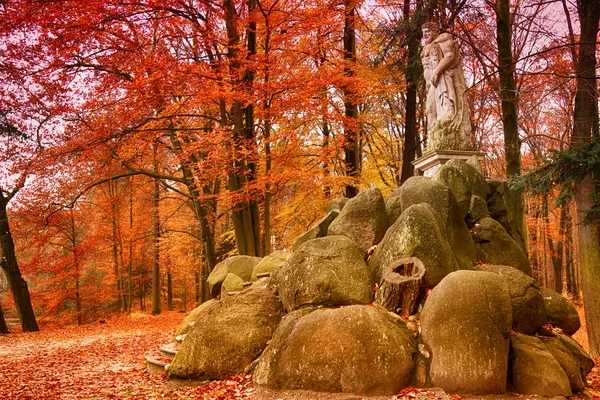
[401,286]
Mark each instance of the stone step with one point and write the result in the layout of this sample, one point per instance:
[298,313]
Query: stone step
[169,350]
[154,366]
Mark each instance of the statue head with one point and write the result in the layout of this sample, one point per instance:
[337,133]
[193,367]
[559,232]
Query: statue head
[431,30]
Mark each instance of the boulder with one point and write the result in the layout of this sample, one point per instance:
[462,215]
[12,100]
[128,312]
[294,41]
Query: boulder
[271,263]
[232,283]
[566,360]
[393,205]
[586,363]
[228,336]
[193,316]
[452,177]
[560,312]
[534,370]
[495,246]
[318,230]
[498,206]
[478,208]
[337,204]
[528,309]
[242,266]
[466,323]
[363,219]
[327,271]
[419,189]
[419,233]
[471,172]
[358,349]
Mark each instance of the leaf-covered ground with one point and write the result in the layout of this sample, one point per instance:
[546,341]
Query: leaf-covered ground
[107,361]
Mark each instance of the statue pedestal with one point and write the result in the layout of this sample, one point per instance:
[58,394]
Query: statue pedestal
[432,161]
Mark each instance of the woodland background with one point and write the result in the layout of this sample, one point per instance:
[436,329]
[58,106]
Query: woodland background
[142,142]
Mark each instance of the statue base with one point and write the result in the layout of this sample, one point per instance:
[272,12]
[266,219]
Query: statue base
[430,162]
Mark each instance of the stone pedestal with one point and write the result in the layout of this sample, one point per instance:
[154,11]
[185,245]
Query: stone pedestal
[431,162]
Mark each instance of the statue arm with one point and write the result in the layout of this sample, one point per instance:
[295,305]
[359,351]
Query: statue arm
[450,51]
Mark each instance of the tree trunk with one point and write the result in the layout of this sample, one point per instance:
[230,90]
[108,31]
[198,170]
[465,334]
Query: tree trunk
[401,286]
[508,95]
[156,306]
[571,274]
[3,326]
[115,248]
[169,291]
[17,284]
[585,131]
[351,142]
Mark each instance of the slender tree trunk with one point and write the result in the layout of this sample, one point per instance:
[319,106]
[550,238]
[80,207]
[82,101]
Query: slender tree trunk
[73,234]
[17,284]
[351,139]
[585,131]
[169,291]
[156,306]
[112,192]
[130,261]
[3,326]
[508,95]
[570,272]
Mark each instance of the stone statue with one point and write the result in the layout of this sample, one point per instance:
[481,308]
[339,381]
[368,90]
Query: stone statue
[448,121]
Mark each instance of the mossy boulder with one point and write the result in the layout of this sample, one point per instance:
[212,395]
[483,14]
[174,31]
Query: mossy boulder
[471,172]
[337,204]
[327,271]
[363,219]
[567,361]
[478,208]
[560,312]
[418,232]
[498,206]
[534,370]
[466,323]
[586,363]
[529,313]
[393,205]
[192,317]
[495,246]
[358,349]
[419,189]
[271,263]
[228,335]
[232,283]
[242,266]
[318,230]
[452,177]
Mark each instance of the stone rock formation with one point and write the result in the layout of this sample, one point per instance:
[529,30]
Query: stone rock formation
[318,230]
[560,312]
[242,266]
[271,263]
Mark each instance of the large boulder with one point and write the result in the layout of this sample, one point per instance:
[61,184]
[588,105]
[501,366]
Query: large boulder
[393,205]
[499,206]
[452,177]
[242,266]
[495,246]
[337,204]
[419,233]
[419,189]
[566,360]
[534,370]
[271,263]
[528,309]
[363,219]
[192,317]
[357,349]
[586,363]
[228,335]
[232,283]
[471,172]
[318,230]
[466,323]
[327,271]
[478,208]
[560,312]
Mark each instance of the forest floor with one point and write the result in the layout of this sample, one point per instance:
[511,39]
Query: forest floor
[107,361]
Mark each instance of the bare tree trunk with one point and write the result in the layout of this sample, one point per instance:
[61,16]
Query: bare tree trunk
[3,326]
[586,131]
[156,306]
[571,274]
[17,284]
[169,291]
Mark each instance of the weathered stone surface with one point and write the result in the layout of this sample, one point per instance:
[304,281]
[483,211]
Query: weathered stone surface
[232,283]
[337,204]
[466,323]
[471,172]
[228,336]
[495,246]
[271,263]
[566,360]
[327,271]
[560,312]
[528,309]
[242,266]
[452,177]
[318,230]
[363,219]
[586,363]
[193,316]
[534,370]
[393,205]
[498,201]
[419,233]
[357,349]
[419,189]
[478,208]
